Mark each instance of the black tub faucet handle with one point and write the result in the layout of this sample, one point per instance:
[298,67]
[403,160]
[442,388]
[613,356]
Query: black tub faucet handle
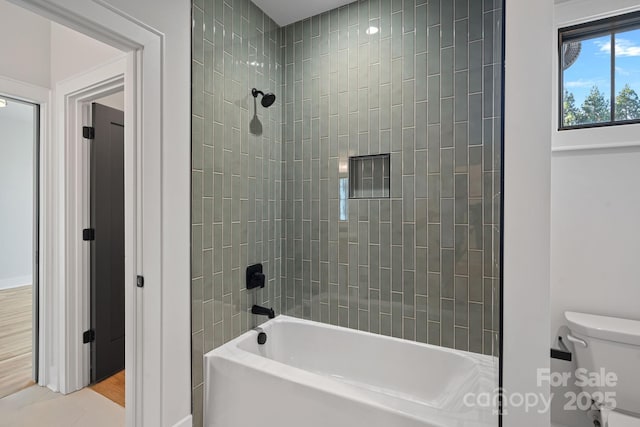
[255,277]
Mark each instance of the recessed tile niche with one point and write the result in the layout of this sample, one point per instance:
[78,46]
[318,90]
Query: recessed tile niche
[369,177]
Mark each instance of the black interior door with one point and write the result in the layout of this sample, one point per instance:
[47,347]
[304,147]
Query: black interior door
[107,248]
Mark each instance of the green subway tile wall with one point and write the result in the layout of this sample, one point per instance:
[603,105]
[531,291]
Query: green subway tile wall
[420,265]
[236,172]
[425,88]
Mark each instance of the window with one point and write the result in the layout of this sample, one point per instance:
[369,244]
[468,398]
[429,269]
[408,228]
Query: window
[344,196]
[600,73]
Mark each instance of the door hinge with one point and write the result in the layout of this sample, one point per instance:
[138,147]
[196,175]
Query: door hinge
[140,281]
[88,336]
[88,132]
[88,234]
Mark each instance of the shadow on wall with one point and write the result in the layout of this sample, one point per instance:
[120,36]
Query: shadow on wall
[255,126]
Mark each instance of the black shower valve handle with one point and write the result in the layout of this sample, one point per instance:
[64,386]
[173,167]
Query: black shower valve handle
[255,277]
[258,280]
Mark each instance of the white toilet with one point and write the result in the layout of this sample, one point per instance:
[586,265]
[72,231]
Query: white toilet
[613,345]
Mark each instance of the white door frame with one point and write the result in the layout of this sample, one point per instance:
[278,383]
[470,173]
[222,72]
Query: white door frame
[42,97]
[71,98]
[143,212]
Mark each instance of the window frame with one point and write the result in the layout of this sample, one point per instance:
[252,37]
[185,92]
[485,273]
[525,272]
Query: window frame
[602,27]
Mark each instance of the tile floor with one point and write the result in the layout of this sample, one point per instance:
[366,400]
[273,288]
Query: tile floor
[39,406]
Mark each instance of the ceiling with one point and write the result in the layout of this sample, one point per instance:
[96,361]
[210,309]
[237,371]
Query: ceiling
[286,12]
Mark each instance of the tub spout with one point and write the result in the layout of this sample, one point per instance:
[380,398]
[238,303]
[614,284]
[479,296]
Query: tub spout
[263,311]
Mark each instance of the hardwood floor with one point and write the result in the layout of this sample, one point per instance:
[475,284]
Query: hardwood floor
[112,388]
[15,339]
[16,348]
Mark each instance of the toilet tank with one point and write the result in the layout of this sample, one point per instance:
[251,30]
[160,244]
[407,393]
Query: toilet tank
[609,345]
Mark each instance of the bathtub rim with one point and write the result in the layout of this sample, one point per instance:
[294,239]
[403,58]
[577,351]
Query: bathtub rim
[233,353]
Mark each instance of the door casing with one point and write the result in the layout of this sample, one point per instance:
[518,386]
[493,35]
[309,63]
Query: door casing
[41,98]
[78,95]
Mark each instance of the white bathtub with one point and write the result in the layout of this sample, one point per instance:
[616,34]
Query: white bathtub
[309,374]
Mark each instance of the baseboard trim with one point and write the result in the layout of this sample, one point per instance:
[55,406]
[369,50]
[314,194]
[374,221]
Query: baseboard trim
[15,282]
[185,422]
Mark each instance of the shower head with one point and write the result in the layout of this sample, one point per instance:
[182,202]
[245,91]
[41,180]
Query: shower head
[267,98]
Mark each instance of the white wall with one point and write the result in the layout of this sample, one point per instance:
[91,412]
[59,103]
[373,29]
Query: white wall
[43,53]
[73,52]
[17,138]
[24,51]
[595,207]
[527,148]
[595,244]
[172,18]
[595,241]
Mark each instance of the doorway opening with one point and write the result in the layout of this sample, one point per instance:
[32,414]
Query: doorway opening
[95,130]
[62,303]
[19,148]
[42,118]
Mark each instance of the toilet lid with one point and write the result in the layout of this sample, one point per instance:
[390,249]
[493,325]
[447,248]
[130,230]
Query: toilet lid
[617,419]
